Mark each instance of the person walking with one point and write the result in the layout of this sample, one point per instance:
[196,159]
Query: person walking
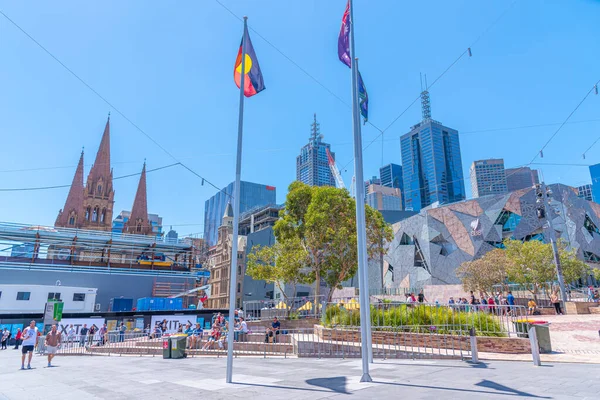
[5,335]
[53,342]
[555,300]
[30,335]
[18,339]
[122,330]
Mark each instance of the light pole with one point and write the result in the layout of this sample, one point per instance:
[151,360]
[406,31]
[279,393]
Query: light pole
[543,196]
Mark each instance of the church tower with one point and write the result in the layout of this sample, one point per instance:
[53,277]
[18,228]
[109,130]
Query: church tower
[138,222]
[71,216]
[98,195]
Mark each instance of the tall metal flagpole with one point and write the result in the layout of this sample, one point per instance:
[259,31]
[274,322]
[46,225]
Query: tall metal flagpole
[360,212]
[236,214]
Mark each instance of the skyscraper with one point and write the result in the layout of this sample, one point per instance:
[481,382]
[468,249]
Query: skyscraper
[312,167]
[595,174]
[521,178]
[488,177]
[431,163]
[585,192]
[253,195]
[391,176]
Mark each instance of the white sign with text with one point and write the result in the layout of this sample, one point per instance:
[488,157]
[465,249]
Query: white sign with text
[173,321]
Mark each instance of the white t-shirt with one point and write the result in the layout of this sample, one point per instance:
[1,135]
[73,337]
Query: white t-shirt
[243,327]
[30,336]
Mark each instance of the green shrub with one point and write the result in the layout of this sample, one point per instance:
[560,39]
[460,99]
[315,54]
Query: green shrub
[418,318]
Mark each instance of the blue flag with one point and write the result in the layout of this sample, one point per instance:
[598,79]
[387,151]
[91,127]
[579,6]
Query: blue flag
[363,98]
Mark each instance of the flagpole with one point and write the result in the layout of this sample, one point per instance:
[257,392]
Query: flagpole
[360,214]
[236,214]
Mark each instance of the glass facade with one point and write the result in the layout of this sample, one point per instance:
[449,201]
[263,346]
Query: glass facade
[391,176]
[432,166]
[585,192]
[253,195]
[312,165]
[488,177]
[521,178]
[595,174]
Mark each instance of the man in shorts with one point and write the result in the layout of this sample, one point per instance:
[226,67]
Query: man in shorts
[53,342]
[30,335]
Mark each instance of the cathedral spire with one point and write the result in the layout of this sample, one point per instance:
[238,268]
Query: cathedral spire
[138,220]
[101,167]
[71,216]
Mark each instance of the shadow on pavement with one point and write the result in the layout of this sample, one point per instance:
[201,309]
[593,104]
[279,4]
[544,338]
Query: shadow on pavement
[496,386]
[507,392]
[336,384]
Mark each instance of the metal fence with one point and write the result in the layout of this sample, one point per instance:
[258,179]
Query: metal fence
[318,342]
[286,308]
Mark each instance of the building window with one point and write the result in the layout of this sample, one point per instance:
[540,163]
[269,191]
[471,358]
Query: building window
[239,287]
[53,296]
[100,190]
[103,215]
[139,227]
[78,296]
[23,296]
[72,220]
[87,214]
[95,214]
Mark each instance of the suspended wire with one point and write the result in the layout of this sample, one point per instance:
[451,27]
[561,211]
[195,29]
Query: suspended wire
[118,111]
[541,152]
[66,186]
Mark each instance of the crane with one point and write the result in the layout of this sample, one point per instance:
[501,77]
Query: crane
[335,171]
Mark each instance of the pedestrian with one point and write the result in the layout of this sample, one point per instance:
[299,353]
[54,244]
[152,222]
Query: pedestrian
[102,333]
[53,342]
[511,301]
[71,335]
[590,294]
[30,335]
[4,339]
[421,297]
[122,330]
[555,300]
[18,339]
[83,335]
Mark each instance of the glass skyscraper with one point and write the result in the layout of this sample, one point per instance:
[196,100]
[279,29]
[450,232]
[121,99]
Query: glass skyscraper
[595,174]
[431,165]
[312,166]
[488,177]
[391,176]
[254,195]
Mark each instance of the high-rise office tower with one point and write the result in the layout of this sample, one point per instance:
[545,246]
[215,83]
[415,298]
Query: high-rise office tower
[585,192]
[391,176]
[253,196]
[488,177]
[431,162]
[312,166]
[595,174]
[521,178]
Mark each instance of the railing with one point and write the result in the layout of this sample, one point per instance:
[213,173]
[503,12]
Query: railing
[320,342]
[287,308]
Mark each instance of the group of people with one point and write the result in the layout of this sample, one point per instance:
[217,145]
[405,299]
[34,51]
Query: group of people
[486,303]
[592,294]
[220,331]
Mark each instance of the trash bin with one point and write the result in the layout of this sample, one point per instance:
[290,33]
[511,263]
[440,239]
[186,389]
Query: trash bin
[166,344]
[178,344]
[542,331]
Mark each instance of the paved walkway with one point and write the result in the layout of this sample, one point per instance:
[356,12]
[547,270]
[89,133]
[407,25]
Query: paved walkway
[115,378]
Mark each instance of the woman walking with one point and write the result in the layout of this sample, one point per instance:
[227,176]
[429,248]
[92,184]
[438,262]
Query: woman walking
[556,302]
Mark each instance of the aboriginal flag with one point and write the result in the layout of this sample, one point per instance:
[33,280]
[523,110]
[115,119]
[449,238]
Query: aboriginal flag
[253,81]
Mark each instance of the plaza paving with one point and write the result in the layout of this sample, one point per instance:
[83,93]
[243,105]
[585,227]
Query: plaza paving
[102,377]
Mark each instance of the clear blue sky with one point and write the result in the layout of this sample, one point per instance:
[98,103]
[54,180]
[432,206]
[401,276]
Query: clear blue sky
[169,69]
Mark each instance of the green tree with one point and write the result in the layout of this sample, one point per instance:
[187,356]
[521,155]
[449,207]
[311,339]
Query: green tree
[529,264]
[281,263]
[322,220]
[572,267]
[483,273]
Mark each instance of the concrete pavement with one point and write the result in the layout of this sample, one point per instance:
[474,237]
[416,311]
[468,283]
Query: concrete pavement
[102,377]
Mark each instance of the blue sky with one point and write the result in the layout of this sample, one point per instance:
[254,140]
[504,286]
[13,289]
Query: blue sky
[169,67]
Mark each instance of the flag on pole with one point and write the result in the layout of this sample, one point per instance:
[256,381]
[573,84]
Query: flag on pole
[253,81]
[363,98]
[344,38]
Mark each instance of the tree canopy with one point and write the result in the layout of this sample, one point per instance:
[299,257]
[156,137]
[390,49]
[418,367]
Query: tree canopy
[316,236]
